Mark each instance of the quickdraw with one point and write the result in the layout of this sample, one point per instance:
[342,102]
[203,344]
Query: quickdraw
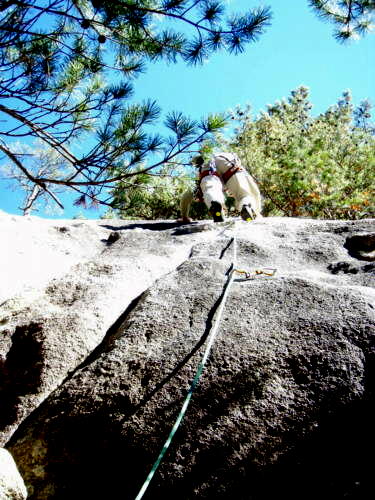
[250,275]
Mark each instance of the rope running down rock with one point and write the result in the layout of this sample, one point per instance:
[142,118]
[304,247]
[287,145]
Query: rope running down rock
[210,340]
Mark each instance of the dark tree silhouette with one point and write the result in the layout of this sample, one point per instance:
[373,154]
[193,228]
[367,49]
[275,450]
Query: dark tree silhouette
[55,58]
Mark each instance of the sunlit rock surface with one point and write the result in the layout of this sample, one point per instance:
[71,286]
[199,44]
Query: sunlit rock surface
[97,359]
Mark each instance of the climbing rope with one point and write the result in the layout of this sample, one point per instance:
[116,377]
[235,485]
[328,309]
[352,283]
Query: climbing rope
[209,343]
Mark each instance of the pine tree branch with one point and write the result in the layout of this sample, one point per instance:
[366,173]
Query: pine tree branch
[33,179]
[43,102]
[41,134]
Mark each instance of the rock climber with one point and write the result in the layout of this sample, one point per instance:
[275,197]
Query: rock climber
[223,172]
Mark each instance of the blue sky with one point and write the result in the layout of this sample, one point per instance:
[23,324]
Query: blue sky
[297,49]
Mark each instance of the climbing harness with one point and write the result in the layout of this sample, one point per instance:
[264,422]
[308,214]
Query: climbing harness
[235,167]
[211,170]
[230,172]
[202,174]
[209,343]
[205,173]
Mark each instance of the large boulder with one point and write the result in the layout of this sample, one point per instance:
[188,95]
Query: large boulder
[63,296]
[284,405]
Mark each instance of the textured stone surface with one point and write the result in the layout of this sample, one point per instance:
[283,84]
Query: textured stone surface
[12,486]
[284,406]
[48,329]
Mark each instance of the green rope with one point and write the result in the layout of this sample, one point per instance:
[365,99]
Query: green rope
[210,341]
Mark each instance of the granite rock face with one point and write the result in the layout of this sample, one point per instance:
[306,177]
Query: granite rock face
[12,486]
[283,407]
[82,285]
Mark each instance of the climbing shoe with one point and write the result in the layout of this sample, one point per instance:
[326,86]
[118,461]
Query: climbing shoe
[216,211]
[247,213]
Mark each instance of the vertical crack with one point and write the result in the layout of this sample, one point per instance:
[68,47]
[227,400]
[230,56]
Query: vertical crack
[226,248]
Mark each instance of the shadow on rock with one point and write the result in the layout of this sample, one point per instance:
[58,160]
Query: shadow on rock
[329,462]
[21,372]
[361,246]
[153,226]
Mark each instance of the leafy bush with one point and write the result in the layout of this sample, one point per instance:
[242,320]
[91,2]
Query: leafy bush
[151,196]
[322,167]
[314,167]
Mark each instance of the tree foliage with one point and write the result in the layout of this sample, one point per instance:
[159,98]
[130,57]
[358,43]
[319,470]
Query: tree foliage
[320,167]
[41,161]
[67,71]
[66,79]
[351,18]
[154,196]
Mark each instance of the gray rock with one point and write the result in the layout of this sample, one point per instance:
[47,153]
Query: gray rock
[47,331]
[284,405]
[12,486]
